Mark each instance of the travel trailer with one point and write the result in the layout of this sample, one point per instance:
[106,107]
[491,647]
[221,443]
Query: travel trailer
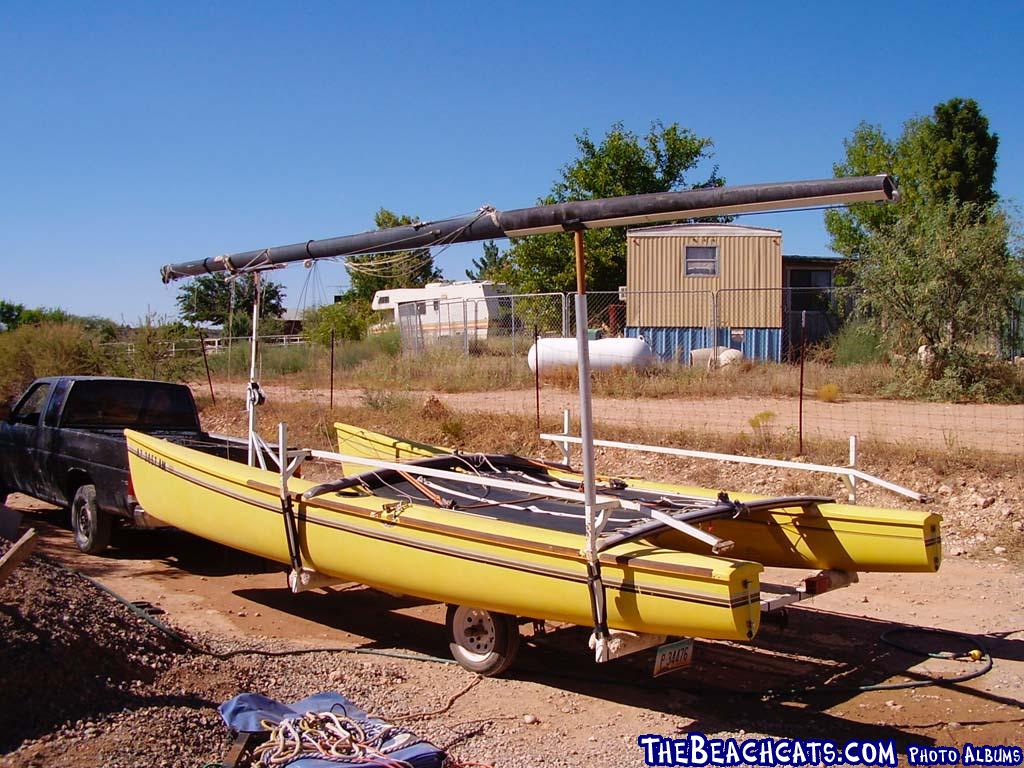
[463,308]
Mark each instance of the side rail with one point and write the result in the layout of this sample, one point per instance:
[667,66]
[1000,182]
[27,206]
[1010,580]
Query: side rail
[849,474]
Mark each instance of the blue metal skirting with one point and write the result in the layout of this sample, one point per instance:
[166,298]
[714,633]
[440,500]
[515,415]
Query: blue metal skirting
[675,344]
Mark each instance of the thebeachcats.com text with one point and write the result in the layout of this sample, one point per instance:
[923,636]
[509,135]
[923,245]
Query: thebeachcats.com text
[696,749]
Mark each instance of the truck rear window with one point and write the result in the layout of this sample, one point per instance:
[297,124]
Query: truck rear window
[144,405]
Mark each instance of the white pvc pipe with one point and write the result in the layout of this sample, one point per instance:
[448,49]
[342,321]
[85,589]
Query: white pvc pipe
[849,472]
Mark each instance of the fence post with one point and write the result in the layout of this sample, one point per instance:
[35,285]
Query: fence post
[536,373]
[206,364]
[714,322]
[513,325]
[803,326]
[566,456]
[853,463]
[565,316]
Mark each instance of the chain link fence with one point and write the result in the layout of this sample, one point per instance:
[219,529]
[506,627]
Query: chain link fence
[503,324]
[766,324]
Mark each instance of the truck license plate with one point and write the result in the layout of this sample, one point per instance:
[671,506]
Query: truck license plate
[670,656]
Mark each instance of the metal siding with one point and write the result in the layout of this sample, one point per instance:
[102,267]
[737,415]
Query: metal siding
[746,261]
[676,344]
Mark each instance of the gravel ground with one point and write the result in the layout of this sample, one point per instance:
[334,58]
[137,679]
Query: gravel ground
[86,682]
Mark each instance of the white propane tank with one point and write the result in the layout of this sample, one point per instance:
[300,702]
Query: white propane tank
[604,354]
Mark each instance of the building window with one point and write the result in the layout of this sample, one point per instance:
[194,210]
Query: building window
[809,289]
[700,261]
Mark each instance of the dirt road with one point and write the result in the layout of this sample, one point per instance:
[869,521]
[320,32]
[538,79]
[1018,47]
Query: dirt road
[586,714]
[941,426]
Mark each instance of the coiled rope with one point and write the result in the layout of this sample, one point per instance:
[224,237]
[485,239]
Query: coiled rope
[328,736]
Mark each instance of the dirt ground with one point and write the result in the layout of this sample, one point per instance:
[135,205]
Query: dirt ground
[556,707]
[942,426]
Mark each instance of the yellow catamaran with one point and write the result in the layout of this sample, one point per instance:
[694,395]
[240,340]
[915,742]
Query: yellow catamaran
[502,538]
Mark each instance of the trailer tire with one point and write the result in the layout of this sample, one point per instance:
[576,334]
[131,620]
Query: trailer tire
[90,524]
[482,641]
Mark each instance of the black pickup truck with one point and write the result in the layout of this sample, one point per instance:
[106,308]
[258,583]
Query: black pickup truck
[63,442]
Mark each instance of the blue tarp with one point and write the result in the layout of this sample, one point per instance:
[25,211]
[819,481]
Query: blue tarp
[245,714]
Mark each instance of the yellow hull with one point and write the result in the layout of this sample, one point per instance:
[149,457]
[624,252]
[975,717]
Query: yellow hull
[841,536]
[445,555]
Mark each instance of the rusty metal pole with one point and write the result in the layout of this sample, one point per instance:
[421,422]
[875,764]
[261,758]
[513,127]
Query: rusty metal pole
[332,369]
[536,373]
[206,364]
[800,428]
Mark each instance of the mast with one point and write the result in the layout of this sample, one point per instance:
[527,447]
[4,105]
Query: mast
[490,224]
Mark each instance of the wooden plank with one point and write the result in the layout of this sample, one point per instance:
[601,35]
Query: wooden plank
[16,555]
[10,522]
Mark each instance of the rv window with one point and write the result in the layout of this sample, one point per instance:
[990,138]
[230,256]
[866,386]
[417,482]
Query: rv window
[437,305]
[700,260]
[382,299]
[421,307]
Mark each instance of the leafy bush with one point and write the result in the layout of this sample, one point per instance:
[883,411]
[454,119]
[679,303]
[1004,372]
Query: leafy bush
[162,351]
[856,344]
[384,400]
[348,320]
[967,378]
[48,349]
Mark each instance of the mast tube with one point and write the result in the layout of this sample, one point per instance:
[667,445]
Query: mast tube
[490,224]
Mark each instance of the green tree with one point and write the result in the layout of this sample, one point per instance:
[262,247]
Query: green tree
[401,269]
[348,320]
[377,272]
[944,276]
[621,164]
[212,299]
[490,265]
[10,315]
[949,154]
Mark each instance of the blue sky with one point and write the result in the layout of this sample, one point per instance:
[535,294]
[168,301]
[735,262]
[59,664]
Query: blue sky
[137,134]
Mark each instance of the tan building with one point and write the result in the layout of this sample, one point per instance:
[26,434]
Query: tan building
[700,285]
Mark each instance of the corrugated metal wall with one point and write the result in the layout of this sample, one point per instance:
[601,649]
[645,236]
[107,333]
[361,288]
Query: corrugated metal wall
[655,263]
[676,344]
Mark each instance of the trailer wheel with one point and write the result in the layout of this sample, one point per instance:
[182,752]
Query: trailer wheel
[482,641]
[91,525]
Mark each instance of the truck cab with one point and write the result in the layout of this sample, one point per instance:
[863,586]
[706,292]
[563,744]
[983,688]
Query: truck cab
[63,442]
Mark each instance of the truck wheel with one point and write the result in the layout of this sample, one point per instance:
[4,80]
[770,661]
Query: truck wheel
[91,525]
[482,641]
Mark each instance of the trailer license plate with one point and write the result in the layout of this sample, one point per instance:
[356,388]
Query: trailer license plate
[672,656]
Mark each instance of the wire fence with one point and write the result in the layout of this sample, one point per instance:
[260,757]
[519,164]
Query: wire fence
[759,368]
[767,324]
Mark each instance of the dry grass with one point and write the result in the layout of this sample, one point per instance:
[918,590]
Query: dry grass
[748,379]
[828,393]
[422,420]
[493,367]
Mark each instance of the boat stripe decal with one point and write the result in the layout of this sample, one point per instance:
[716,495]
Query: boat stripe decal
[739,601]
